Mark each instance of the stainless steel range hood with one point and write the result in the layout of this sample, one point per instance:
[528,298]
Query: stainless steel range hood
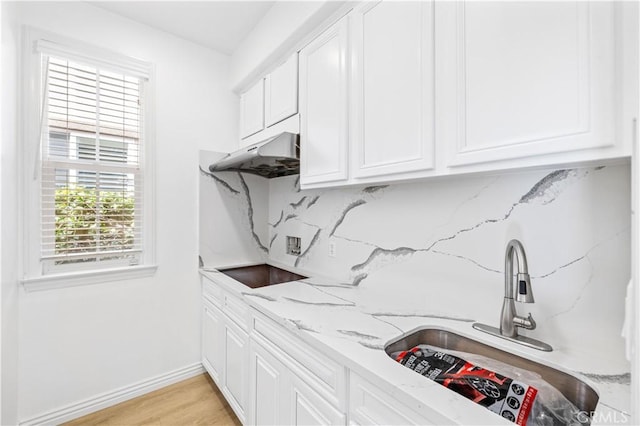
[273,157]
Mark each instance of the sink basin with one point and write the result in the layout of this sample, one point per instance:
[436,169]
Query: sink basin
[257,276]
[576,391]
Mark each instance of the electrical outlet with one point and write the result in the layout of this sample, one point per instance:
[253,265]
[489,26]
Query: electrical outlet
[332,249]
[293,246]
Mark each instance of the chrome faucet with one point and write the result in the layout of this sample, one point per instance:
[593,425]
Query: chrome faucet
[509,319]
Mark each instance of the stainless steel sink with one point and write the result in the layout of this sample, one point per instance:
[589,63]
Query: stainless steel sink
[261,275]
[576,391]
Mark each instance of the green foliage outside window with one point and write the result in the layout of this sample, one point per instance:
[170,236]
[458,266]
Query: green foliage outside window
[89,221]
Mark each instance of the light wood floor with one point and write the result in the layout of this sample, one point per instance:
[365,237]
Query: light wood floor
[196,401]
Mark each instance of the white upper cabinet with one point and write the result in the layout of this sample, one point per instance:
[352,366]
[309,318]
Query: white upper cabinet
[252,110]
[281,92]
[324,129]
[441,88]
[392,106]
[526,79]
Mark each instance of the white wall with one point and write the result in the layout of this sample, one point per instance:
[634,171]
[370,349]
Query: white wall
[79,342]
[274,37]
[9,219]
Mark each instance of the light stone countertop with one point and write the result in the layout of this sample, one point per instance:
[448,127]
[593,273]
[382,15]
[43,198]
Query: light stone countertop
[351,325]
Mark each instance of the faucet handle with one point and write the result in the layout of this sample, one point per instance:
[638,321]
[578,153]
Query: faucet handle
[528,323]
[524,293]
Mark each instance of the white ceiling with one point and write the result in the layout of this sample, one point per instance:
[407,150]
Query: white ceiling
[219,25]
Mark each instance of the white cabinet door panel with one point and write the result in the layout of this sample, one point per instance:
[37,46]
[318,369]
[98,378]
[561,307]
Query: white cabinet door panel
[235,367]
[369,404]
[393,87]
[526,78]
[309,408]
[252,110]
[281,92]
[323,106]
[269,384]
[211,341]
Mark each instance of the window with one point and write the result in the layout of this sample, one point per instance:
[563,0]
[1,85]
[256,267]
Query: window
[90,176]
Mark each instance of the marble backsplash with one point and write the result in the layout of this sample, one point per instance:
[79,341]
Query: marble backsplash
[437,247]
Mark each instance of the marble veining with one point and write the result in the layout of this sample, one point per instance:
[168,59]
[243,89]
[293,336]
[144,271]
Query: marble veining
[298,203]
[546,183]
[313,201]
[374,346]
[317,284]
[418,315]
[247,194]
[432,253]
[346,211]
[415,238]
[306,302]
[290,216]
[359,278]
[624,378]
[279,220]
[260,296]
[273,238]
[357,334]
[372,189]
[302,326]
[545,189]
[220,181]
[314,239]
[325,289]
[486,268]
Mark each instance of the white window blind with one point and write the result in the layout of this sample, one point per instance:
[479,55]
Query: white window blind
[91,167]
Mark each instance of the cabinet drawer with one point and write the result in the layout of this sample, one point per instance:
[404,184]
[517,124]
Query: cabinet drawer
[370,405]
[211,292]
[237,310]
[325,375]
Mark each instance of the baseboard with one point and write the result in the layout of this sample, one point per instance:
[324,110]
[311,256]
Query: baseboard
[90,405]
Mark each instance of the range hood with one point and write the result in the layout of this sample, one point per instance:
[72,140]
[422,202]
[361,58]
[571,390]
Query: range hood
[273,157]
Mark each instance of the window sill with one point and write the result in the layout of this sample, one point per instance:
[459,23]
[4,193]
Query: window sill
[73,279]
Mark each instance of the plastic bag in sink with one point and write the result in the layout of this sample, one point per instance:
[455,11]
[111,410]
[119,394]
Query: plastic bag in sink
[518,395]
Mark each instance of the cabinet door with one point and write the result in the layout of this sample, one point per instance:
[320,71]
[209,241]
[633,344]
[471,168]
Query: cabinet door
[370,405]
[281,92]
[212,341]
[268,383]
[236,345]
[309,408]
[252,110]
[393,82]
[324,105]
[522,79]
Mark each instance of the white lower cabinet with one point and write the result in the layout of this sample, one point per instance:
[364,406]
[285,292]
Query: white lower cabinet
[369,405]
[211,337]
[234,381]
[309,408]
[279,397]
[225,345]
[267,387]
[305,390]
